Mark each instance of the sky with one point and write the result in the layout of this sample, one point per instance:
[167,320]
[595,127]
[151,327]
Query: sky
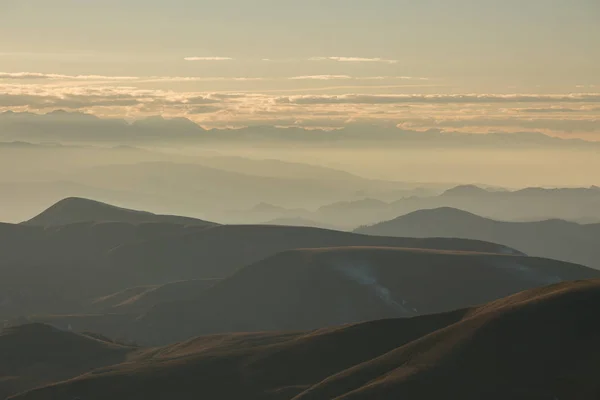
[456,65]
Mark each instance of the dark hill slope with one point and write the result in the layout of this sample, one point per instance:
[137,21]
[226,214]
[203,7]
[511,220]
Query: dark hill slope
[35,355]
[60,269]
[54,269]
[142,299]
[557,239]
[219,251]
[72,210]
[538,345]
[252,366]
[307,289]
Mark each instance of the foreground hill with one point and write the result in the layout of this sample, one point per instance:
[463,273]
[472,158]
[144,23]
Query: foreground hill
[539,344]
[73,210]
[34,355]
[308,289]
[556,239]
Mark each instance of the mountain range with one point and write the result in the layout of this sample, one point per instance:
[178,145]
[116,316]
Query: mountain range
[63,126]
[58,266]
[572,204]
[556,239]
[99,302]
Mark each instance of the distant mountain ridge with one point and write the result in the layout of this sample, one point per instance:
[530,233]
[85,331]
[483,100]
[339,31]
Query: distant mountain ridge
[532,203]
[60,125]
[555,238]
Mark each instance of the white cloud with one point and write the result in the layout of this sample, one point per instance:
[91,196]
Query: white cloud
[402,78]
[355,59]
[39,75]
[321,77]
[198,79]
[150,79]
[466,112]
[208,58]
[441,98]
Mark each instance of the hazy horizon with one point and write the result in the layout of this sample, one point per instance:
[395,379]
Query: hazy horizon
[461,66]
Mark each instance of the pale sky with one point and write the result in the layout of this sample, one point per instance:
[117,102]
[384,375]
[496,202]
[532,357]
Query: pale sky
[153,56]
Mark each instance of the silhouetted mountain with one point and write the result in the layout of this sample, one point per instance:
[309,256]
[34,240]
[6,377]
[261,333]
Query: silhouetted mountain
[36,355]
[75,210]
[466,190]
[539,344]
[555,239]
[308,289]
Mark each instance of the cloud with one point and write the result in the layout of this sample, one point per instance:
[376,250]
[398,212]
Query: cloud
[158,79]
[355,60]
[208,58]
[203,110]
[549,110]
[42,76]
[452,112]
[403,78]
[321,77]
[39,76]
[439,98]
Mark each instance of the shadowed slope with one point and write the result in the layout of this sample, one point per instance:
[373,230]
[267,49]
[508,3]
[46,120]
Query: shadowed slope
[219,251]
[143,298]
[307,289]
[273,366]
[537,345]
[57,269]
[34,355]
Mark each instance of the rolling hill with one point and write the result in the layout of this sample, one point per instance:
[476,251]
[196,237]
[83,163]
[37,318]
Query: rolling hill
[36,354]
[557,239]
[315,288]
[61,269]
[539,344]
[219,251]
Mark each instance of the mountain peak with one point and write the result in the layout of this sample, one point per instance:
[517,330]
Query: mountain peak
[465,190]
[75,210]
